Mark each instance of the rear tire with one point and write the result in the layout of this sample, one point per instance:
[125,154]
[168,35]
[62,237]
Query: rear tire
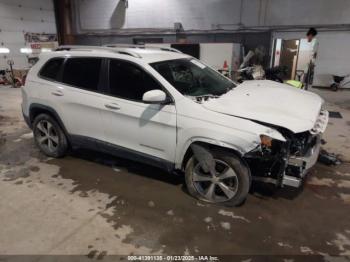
[49,136]
[334,87]
[230,186]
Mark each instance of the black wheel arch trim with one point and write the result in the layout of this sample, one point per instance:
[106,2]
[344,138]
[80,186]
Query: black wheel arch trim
[210,147]
[51,111]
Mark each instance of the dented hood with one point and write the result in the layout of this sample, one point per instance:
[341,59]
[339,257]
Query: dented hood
[270,102]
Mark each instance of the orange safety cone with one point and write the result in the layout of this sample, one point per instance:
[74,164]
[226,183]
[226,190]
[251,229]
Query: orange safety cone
[225,66]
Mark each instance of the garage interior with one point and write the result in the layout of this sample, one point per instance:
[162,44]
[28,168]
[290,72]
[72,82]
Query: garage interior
[101,207]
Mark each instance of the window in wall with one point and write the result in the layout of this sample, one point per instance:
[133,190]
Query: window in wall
[128,81]
[82,72]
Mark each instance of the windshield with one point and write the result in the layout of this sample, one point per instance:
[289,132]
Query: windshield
[192,78]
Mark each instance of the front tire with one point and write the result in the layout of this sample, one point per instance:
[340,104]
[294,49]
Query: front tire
[229,186]
[49,136]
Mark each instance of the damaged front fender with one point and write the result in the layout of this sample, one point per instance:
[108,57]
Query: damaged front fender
[203,150]
[204,157]
[231,137]
[274,134]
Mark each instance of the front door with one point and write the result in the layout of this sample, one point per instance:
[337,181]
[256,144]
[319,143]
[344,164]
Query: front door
[149,129]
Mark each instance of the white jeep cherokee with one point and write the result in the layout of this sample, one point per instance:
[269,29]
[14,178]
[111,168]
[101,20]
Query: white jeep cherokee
[167,109]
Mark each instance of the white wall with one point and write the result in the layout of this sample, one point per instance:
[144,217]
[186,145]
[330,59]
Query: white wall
[208,14]
[333,56]
[307,12]
[193,14]
[19,16]
[215,54]
[334,52]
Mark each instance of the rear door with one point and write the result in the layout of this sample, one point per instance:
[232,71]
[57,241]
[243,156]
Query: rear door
[76,96]
[130,123]
[82,109]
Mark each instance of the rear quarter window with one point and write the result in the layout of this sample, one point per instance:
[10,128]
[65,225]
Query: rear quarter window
[51,69]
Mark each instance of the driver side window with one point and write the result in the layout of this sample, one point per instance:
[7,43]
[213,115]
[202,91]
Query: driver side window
[129,81]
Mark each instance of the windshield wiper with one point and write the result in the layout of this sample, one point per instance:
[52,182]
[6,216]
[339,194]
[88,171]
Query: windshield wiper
[203,98]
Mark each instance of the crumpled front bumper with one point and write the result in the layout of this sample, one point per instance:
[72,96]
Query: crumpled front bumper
[303,163]
[308,160]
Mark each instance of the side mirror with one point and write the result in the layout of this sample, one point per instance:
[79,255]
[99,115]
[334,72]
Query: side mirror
[155,96]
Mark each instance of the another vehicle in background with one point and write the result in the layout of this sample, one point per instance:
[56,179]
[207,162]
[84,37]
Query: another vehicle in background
[340,81]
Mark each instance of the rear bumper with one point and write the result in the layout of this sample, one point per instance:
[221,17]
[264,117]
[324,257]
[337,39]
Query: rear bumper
[26,119]
[303,164]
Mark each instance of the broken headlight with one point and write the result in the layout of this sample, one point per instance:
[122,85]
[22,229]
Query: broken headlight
[270,145]
[266,141]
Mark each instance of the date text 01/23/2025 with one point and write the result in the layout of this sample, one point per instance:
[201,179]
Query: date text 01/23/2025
[172,258]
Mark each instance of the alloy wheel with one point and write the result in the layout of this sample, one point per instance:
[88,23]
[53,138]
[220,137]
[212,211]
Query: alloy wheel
[219,185]
[47,136]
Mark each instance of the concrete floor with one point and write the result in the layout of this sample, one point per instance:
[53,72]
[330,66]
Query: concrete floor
[90,203]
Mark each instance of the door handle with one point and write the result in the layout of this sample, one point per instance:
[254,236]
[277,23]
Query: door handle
[57,93]
[112,106]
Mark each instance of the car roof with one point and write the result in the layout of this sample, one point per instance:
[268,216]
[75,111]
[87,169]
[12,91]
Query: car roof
[147,55]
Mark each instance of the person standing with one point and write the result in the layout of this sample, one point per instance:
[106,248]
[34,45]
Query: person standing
[311,38]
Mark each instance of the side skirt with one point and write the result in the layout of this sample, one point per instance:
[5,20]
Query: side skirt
[78,141]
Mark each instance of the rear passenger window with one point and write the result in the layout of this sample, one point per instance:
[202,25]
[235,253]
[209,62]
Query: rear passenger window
[51,69]
[129,81]
[82,72]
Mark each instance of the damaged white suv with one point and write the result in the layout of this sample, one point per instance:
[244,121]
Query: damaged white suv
[167,109]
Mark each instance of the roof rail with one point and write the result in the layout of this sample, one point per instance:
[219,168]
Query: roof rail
[123,46]
[170,49]
[90,48]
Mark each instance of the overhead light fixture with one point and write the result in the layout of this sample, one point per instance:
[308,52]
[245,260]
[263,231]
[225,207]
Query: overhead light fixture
[4,50]
[26,50]
[44,50]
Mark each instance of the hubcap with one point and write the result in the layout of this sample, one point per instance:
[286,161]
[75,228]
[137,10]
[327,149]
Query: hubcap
[218,185]
[46,136]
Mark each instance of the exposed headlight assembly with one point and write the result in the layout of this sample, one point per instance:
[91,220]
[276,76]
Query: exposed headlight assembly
[266,141]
